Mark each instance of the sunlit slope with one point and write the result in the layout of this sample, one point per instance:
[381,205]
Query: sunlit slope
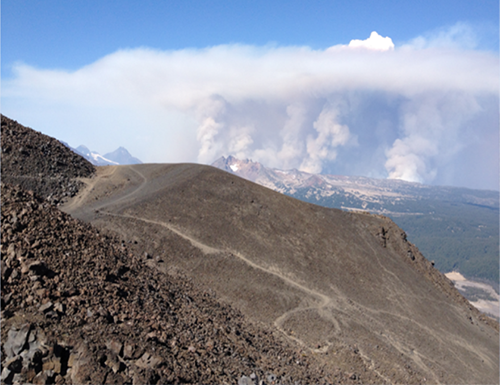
[456,227]
[327,279]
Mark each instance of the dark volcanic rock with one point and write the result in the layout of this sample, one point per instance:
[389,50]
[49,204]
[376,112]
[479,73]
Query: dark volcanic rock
[342,284]
[103,316]
[40,163]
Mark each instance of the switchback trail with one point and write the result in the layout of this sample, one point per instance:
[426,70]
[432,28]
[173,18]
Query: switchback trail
[318,276]
[323,300]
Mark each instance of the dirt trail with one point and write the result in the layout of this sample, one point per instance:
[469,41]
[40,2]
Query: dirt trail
[111,186]
[206,249]
[134,192]
[90,183]
[332,288]
[107,172]
[323,300]
[320,300]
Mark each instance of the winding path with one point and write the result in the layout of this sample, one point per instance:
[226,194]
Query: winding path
[323,300]
[116,188]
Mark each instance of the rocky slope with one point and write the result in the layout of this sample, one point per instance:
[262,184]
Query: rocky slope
[40,163]
[333,282]
[78,307]
[81,306]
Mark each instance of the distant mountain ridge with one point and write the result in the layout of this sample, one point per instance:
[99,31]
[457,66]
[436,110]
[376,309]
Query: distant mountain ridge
[118,157]
[368,190]
[122,156]
[456,227]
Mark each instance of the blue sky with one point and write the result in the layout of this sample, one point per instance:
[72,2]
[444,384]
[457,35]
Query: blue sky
[272,80]
[70,34]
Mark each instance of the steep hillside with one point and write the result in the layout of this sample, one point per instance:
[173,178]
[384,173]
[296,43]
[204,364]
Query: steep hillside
[79,307]
[333,282]
[40,163]
[455,227]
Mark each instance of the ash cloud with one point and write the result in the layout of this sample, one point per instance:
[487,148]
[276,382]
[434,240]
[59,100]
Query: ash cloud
[423,111]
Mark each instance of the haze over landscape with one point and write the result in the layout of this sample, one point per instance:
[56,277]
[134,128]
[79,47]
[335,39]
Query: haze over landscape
[311,172]
[347,90]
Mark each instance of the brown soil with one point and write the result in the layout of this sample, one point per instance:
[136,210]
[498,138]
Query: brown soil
[328,280]
[95,313]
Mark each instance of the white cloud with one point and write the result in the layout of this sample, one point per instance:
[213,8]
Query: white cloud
[374,42]
[458,36]
[320,110]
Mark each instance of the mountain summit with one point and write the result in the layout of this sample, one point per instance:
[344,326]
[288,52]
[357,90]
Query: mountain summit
[122,156]
[118,157]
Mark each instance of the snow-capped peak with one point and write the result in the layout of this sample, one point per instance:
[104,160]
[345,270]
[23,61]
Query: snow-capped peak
[99,158]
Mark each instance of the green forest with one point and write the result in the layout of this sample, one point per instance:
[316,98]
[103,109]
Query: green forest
[457,237]
[447,228]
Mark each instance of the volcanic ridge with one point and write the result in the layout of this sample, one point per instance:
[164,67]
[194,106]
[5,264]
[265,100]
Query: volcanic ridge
[188,274]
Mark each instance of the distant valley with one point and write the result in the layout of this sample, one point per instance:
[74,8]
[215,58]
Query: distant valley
[481,295]
[457,228]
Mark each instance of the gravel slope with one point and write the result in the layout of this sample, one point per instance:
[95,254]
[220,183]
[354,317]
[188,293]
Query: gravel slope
[331,281]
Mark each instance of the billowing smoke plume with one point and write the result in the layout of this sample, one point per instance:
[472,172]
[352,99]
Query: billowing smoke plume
[322,145]
[426,111]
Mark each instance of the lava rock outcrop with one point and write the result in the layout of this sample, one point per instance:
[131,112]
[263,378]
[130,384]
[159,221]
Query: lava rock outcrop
[40,163]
